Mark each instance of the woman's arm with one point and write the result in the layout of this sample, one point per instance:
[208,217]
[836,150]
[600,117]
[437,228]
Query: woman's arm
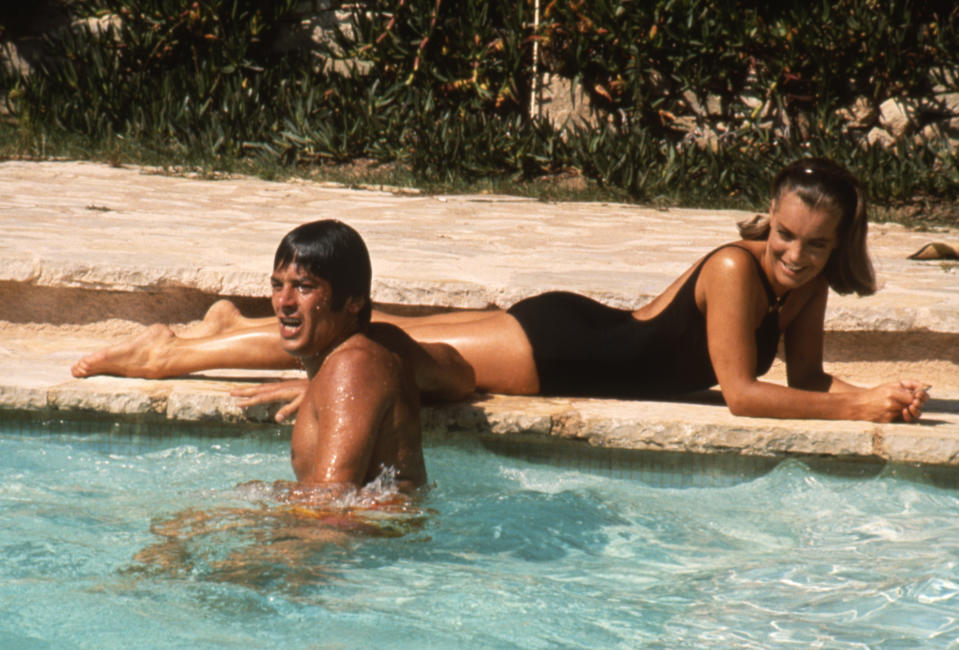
[734,303]
[803,341]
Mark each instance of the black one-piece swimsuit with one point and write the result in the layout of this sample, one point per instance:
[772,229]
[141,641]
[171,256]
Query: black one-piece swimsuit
[584,348]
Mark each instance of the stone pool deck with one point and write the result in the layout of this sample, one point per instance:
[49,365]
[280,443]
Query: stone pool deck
[90,252]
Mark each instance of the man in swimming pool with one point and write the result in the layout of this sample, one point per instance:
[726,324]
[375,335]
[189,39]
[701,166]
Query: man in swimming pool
[360,414]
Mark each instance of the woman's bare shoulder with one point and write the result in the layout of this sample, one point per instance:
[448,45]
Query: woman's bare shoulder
[730,279]
[736,260]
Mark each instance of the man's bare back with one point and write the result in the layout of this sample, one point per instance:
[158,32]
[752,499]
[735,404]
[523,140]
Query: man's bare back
[360,416]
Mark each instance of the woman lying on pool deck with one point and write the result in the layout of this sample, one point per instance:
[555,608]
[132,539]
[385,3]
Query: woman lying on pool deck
[719,322]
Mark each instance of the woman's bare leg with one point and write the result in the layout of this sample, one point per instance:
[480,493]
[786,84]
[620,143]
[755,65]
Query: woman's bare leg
[442,318]
[492,342]
[222,317]
[223,339]
[159,353]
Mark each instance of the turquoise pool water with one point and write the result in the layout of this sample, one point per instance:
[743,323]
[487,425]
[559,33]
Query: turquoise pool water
[109,541]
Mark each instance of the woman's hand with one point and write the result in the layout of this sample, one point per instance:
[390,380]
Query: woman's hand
[291,391]
[902,400]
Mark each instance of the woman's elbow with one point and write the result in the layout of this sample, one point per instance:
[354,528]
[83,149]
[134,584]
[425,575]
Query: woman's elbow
[738,401]
[739,408]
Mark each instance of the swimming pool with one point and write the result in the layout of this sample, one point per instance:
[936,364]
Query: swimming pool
[506,553]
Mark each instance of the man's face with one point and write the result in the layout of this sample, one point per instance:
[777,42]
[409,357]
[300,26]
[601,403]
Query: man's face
[308,326]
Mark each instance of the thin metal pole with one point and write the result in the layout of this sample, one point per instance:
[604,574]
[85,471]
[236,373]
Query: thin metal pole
[534,94]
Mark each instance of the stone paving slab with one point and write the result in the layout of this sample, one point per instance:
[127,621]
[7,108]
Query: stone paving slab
[75,225]
[93,226]
[43,385]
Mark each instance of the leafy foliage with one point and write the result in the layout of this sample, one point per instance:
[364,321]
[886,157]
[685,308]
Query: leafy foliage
[694,101]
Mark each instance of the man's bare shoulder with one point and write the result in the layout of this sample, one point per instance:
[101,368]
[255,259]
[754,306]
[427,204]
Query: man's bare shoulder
[360,359]
[390,337]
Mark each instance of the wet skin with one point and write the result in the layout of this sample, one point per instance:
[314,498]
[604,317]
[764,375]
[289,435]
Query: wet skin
[360,412]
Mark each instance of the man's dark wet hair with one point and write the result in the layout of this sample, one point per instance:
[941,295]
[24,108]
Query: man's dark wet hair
[334,252]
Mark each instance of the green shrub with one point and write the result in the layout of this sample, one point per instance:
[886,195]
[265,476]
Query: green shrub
[693,101]
[191,82]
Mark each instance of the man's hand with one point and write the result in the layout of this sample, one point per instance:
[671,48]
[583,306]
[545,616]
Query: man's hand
[291,391]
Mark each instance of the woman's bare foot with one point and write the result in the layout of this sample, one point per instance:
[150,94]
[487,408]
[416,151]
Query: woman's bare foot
[141,356]
[222,315]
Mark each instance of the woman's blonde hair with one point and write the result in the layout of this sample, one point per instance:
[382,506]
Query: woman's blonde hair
[824,185]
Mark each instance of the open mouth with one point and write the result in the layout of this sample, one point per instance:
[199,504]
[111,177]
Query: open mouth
[289,326]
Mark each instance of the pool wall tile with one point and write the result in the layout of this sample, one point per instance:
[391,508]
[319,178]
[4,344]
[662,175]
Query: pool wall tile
[23,397]
[75,398]
[907,445]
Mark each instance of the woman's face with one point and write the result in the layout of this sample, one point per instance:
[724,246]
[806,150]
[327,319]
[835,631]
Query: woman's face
[800,242]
